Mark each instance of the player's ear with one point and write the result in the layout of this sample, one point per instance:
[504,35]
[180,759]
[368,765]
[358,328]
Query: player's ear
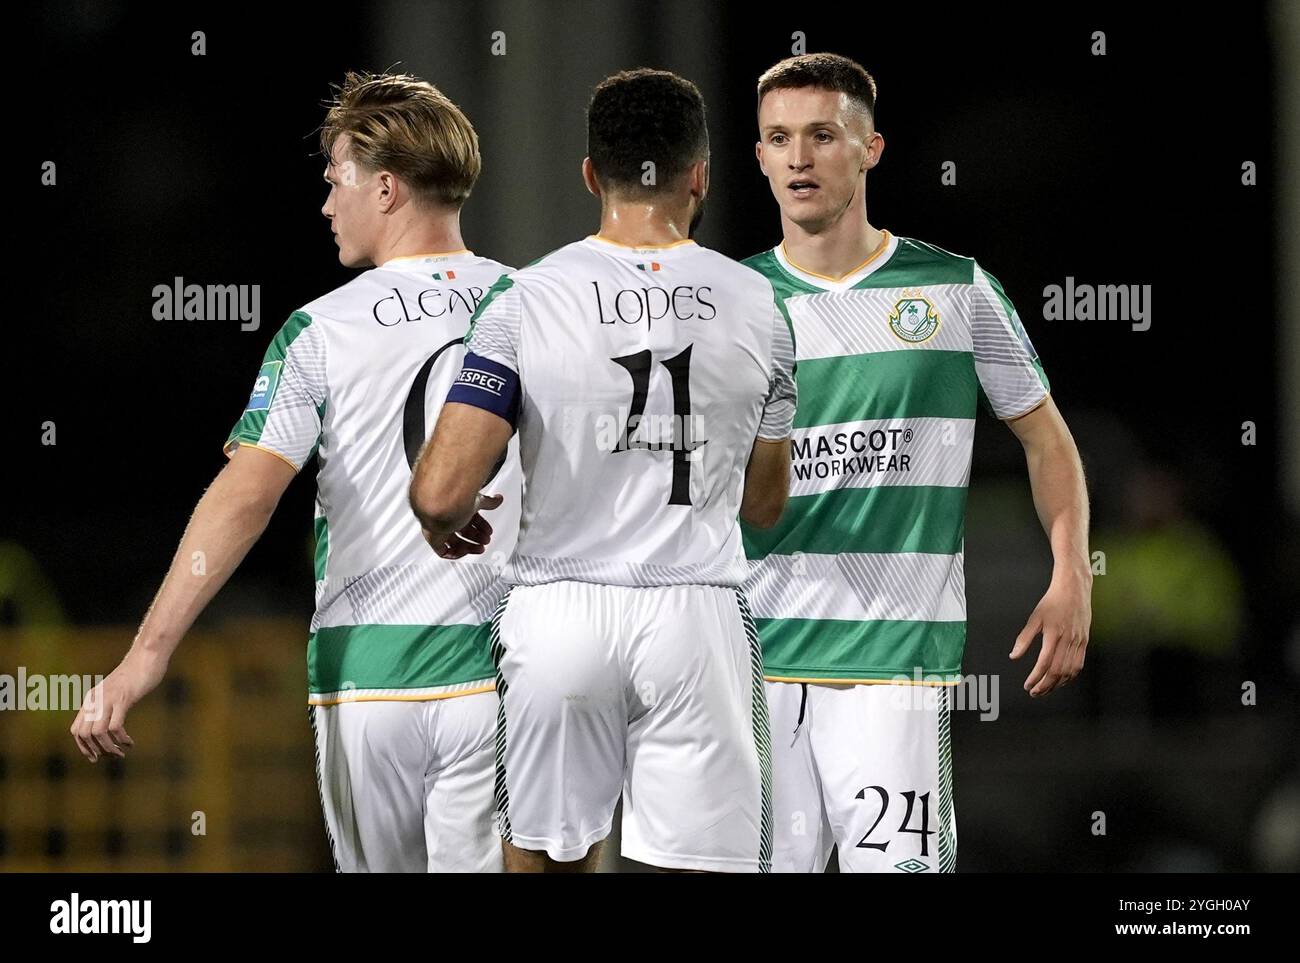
[758,152]
[700,178]
[386,185]
[875,147]
[589,177]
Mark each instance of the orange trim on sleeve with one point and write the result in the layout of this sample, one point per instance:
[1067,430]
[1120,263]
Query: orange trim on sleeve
[1030,410]
[234,443]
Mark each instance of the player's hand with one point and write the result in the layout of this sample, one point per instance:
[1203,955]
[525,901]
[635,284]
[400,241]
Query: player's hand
[1063,617]
[100,726]
[472,539]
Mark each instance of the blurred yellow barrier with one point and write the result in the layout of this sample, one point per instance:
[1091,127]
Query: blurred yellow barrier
[221,777]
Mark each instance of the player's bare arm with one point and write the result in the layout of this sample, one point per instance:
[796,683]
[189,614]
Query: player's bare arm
[466,444]
[767,482]
[229,518]
[1064,614]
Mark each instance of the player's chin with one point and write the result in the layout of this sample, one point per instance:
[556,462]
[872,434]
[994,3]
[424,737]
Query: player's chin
[351,259]
[810,215]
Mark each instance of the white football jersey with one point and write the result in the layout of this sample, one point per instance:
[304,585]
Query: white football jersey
[358,377]
[638,379]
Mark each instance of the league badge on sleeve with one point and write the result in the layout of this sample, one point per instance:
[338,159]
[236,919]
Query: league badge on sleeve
[264,387]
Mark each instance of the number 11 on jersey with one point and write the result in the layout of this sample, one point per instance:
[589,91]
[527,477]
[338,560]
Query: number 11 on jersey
[683,440]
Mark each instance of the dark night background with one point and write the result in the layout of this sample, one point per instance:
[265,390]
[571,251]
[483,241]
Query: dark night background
[1115,169]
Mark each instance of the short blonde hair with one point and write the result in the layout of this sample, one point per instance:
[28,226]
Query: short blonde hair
[402,124]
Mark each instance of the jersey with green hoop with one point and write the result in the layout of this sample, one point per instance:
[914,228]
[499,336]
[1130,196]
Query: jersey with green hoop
[862,580]
[358,378]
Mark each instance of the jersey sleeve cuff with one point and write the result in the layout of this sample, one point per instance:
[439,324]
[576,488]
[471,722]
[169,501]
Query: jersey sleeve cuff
[1023,410]
[235,441]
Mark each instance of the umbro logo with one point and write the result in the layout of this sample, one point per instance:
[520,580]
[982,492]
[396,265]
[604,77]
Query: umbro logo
[911,866]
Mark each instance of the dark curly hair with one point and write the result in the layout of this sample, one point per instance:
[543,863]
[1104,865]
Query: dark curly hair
[644,115]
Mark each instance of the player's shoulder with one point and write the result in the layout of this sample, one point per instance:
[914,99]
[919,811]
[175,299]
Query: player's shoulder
[356,298]
[937,265]
[554,262]
[581,258]
[764,262]
[556,266]
[483,267]
[741,273]
[722,262]
[342,300]
[350,299]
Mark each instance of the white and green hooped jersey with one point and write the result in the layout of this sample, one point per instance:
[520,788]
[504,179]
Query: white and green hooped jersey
[862,577]
[358,378]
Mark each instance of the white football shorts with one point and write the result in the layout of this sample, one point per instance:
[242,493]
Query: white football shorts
[655,693]
[406,787]
[867,769]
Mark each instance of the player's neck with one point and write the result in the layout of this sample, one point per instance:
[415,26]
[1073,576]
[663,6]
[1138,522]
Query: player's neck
[426,235]
[835,250]
[644,223]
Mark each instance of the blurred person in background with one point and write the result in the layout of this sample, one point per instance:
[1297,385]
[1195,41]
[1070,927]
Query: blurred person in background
[1171,609]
